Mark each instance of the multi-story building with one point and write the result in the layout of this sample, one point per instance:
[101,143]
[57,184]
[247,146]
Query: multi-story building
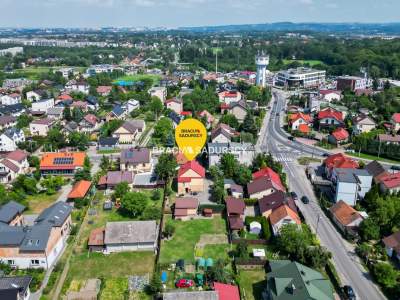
[301,77]
[352,83]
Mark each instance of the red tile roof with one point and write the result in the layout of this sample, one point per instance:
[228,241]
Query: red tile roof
[50,160]
[338,160]
[396,117]
[391,181]
[65,97]
[331,113]
[304,128]
[281,212]
[186,113]
[271,174]
[190,165]
[96,237]
[17,155]
[340,134]
[90,118]
[296,116]
[226,291]
[104,89]
[344,213]
[80,189]
[235,205]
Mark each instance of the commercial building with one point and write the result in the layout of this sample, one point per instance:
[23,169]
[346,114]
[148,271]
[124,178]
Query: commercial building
[352,83]
[301,78]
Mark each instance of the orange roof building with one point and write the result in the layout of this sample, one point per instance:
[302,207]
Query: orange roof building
[281,216]
[304,128]
[80,189]
[61,163]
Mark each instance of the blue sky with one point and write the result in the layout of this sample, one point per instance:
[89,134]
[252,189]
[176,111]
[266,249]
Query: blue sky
[173,13]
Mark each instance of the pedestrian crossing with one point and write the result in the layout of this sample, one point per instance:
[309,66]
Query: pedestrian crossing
[284,157]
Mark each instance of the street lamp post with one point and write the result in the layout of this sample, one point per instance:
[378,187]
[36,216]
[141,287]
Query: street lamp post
[319,218]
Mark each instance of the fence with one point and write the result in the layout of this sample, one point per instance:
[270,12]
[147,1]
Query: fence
[250,264]
[250,242]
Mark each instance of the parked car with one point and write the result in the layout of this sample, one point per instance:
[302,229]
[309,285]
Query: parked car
[294,196]
[349,292]
[305,200]
[325,154]
[291,138]
[184,283]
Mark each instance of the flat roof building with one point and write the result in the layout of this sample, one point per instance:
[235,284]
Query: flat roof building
[301,77]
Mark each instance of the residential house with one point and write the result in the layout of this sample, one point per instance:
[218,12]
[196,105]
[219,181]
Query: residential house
[396,121]
[12,110]
[62,163]
[185,208]
[136,160]
[339,160]
[330,95]
[130,236]
[117,113]
[345,217]
[392,244]
[96,240]
[175,118]
[82,105]
[11,214]
[269,203]
[80,86]
[80,190]
[209,118]
[180,158]
[377,170]
[36,95]
[10,99]
[55,113]
[71,127]
[107,143]
[112,178]
[132,105]
[130,131]
[39,245]
[339,136]
[263,186]
[92,103]
[226,291]
[292,280]
[281,216]
[243,152]
[10,139]
[238,109]
[235,208]
[41,127]
[191,177]
[175,105]
[223,133]
[233,189]
[350,185]
[390,183]
[20,159]
[89,123]
[104,90]
[228,97]
[42,105]
[160,92]
[7,122]
[298,119]
[389,139]
[330,117]
[362,124]
[15,287]
[8,171]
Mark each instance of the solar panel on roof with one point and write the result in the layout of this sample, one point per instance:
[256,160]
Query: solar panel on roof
[63,160]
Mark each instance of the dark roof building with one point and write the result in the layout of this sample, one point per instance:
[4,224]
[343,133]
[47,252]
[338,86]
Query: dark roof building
[15,287]
[9,211]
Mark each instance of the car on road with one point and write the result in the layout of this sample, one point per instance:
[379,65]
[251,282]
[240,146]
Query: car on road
[349,293]
[277,114]
[294,196]
[325,154]
[291,138]
[305,200]
[184,283]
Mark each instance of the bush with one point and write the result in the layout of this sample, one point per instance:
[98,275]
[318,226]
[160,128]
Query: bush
[217,208]
[250,201]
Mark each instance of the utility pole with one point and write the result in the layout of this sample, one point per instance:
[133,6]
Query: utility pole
[319,218]
[216,62]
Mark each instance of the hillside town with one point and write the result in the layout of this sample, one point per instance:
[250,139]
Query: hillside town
[295,196]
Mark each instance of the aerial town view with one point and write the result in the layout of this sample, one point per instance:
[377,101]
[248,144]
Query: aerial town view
[199,150]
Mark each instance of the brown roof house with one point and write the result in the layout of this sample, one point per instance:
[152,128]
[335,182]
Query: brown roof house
[269,203]
[185,208]
[346,217]
[130,131]
[281,216]
[392,244]
[112,178]
[376,170]
[235,212]
[96,240]
[263,186]
[136,160]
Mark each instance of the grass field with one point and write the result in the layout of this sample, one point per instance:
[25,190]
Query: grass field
[39,202]
[139,77]
[217,251]
[373,157]
[186,235]
[252,284]
[310,62]
[35,72]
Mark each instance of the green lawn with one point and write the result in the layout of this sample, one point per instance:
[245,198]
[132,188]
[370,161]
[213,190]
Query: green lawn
[38,202]
[221,251]
[373,157]
[139,77]
[114,288]
[35,72]
[111,151]
[307,160]
[186,235]
[252,283]
[311,62]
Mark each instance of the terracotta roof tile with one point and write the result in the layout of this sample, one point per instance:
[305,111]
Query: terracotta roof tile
[344,213]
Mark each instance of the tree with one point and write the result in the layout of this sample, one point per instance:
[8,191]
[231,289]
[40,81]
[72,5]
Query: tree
[82,174]
[155,285]
[242,250]
[243,174]
[134,203]
[105,163]
[24,121]
[317,256]
[166,167]
[385,274]
[156,195]
[151,213]
[109,127]
[218,273]
[56,139]
[52,184]
[78,140]
[77,114]
[230,120]
[162,130]
[67,114]
[121,189]
[369,230]
[169,230]
[249,124]
[217,189]
[156,106]
[25,184]
[228,164]
[294,240]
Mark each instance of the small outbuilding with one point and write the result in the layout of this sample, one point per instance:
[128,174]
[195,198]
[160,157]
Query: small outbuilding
[255,227]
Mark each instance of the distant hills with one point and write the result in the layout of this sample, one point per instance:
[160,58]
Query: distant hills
[355,28]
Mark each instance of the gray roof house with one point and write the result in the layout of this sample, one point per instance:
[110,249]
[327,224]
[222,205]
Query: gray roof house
[130,236]
[10,211]
[15,287]
[243,152]
[136,160]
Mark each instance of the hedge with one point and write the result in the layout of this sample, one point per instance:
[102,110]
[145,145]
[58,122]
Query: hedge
[217,208]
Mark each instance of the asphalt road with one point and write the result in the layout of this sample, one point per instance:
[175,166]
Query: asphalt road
[275,141]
